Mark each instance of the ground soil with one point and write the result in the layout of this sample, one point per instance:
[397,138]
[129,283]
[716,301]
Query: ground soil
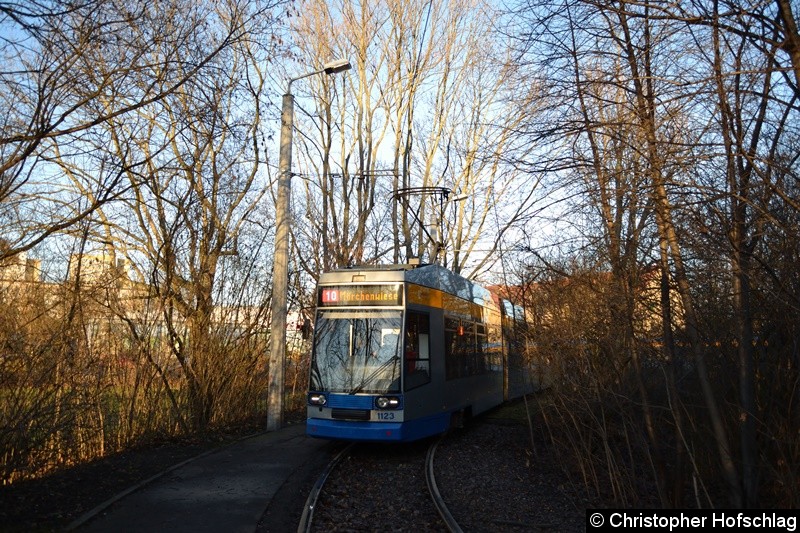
[52,502]
[491,476]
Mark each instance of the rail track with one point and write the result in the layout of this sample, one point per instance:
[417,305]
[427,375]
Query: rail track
[438,501]
[311,505]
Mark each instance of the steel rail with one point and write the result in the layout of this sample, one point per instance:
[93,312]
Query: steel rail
[438,501]
[307,517]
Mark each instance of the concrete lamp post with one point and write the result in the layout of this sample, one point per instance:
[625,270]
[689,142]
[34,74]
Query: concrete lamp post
[280,268]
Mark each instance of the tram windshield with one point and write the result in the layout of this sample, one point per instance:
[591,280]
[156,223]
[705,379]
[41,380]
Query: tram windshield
[356,351]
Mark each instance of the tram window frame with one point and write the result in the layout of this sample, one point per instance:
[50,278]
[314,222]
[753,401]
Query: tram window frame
[417,342]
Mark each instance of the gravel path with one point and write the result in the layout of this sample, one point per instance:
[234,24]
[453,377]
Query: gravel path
[488,475]
[378,487]
[492,481]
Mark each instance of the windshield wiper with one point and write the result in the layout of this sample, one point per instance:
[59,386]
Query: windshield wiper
[374,373]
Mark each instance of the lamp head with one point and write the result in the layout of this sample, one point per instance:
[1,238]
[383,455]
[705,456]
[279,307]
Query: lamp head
[336,66]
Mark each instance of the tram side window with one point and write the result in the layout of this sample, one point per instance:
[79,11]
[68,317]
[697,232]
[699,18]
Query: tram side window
[494,350]
[481,354]
[417,350]
[467,349]
[452,349]
[459,339]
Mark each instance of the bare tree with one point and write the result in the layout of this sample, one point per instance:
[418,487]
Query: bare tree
[69,67]
[426,109]
[192,162]
[693,105]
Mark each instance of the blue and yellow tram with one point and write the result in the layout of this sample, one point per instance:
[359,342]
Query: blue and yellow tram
[402,352]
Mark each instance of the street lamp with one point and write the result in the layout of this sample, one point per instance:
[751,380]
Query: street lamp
[280,267]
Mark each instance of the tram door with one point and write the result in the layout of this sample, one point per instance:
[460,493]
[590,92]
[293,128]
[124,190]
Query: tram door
[417,359]
[417,363]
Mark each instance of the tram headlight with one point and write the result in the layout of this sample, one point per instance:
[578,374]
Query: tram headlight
[317,399]
[387,402]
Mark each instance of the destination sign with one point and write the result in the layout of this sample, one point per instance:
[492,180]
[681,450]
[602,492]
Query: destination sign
[360,295]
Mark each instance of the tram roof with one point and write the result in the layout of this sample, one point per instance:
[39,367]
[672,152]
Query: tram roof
[433,276]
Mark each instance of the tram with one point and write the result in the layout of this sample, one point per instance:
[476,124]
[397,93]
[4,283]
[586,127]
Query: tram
[402,352]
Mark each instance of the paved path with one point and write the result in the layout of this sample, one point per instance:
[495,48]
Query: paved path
[227,490]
